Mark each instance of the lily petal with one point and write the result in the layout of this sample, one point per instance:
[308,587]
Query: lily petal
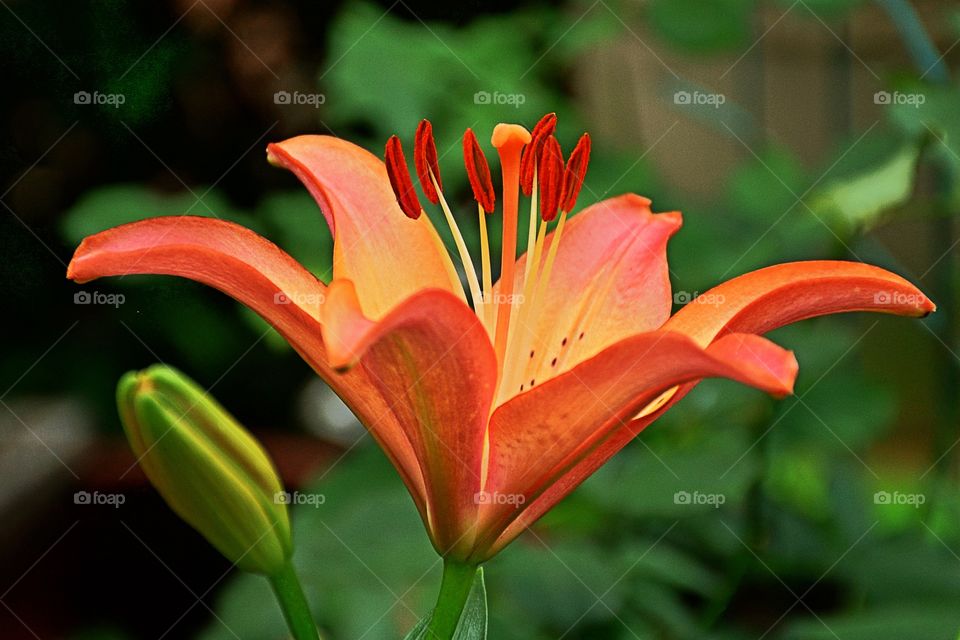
[760,301]
[384,253]
[756,302]
[434,365]
[257,273]
[610,280]
[538,437]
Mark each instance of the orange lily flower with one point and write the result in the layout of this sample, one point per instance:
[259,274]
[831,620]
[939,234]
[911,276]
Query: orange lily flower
[493,410]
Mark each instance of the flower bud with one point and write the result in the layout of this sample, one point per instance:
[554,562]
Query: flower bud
[207,467]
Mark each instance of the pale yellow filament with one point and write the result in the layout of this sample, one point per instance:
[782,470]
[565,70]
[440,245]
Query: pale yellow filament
[488,317]
[465,258]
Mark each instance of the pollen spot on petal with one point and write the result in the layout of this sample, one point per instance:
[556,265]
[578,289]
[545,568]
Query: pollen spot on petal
[563,343]
[581,336]
[553,363]
[531,353]
[533,382]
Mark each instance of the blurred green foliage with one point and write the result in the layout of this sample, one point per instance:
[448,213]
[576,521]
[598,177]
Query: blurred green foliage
[802,547]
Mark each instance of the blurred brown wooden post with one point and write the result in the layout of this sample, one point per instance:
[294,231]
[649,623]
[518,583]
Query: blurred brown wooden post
[808,83]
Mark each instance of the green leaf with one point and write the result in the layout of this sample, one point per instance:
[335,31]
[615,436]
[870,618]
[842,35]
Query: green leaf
[890,623]
[667,479]
[702,25]
[352,574]
[295,223]
[858,200]
[827,10]
[929,113]
[118,204]
[767,185]
[473,620]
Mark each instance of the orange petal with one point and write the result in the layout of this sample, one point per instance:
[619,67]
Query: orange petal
[610,281]
[763,300]
[756,302]
[537,437]
[257,273]
[432,361]
[385,254]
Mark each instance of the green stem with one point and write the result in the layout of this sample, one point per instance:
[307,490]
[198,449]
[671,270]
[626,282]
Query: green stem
[454,589]
[289,594]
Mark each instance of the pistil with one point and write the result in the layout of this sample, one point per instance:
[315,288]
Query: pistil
[509,140]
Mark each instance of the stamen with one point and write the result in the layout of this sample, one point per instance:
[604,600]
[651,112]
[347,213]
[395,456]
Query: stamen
[575,172]
[528,163]
[551,176]
[523,329]
[465,258]
[544,279]
[488,318]
[509,140]
[425,160]
[478,172]
[565,192]
[532,231]
[399,175]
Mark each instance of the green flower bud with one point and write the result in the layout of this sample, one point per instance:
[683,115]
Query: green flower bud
[207,467]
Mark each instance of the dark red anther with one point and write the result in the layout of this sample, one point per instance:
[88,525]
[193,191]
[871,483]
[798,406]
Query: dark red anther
[425,159]
[544,128]
[478,171]
[400,180]
[575,172]
[550,176]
